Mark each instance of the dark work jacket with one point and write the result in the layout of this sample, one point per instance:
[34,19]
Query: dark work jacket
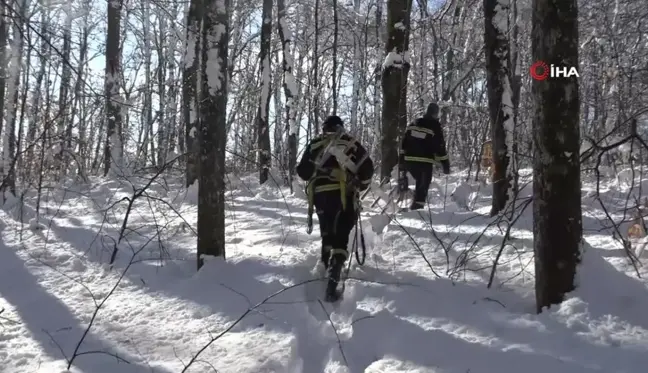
[423,142]
[321,179]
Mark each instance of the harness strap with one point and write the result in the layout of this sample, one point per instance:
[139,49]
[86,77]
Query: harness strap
[311,190]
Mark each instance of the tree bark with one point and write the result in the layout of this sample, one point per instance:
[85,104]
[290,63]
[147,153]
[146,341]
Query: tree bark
[113,147]
[290,89]
[500,97]
[263,131]
[557,227]
[213,123]
[394,82]
[334,82]
[13,85]
[190,90]
[315,91]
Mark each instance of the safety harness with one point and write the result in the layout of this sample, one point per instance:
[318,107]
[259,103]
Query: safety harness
[337,178]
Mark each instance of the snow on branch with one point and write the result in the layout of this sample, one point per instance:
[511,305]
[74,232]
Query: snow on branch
[395,59]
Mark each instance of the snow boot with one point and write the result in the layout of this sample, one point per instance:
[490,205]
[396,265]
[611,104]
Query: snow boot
[334,272]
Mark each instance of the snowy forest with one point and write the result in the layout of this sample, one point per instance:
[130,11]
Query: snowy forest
[152,220]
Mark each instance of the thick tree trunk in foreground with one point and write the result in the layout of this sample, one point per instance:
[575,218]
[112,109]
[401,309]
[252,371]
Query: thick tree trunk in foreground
[394,82]
[212,137]
[557,227]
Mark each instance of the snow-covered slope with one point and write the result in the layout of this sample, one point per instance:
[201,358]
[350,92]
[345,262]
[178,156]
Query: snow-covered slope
[419,304]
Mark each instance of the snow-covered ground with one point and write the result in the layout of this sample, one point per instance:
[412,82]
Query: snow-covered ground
[420,307]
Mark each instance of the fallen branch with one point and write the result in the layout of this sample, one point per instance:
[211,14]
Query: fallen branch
[328,316]
[137,192]
[237,321]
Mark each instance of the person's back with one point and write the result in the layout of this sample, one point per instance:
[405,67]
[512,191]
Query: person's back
[423,145]
[336,167]
[323,169]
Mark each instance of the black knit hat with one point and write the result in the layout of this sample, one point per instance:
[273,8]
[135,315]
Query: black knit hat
[332,123]
[432,110]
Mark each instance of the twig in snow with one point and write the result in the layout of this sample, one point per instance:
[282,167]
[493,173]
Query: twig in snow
[492,300]
[362,318]
[137,192]
[172,209]
[625,243]
[328,316]
[7,319]
[194,358]
[76,352]
[416,245]
[97,352]
[99,306]
[507,235]
[57,345]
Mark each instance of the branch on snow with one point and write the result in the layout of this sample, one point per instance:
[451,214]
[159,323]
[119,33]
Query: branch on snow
[194,358]
[76,353]
[137,192]
[602,150]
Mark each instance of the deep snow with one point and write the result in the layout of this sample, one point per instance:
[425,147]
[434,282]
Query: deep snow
[396,315]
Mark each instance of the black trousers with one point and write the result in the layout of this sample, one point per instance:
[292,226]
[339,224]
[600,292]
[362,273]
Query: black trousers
[335,222]
[422,173]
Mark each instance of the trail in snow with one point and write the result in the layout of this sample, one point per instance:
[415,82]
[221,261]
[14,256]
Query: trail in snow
[396,315]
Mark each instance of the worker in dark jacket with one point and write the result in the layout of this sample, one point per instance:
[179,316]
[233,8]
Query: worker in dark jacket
[422,145]
[337,167]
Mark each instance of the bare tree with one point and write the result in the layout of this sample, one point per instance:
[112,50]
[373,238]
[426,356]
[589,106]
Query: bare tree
[500,99]
[290,88]
[211,191]
[557,226]
[262,122]
[190,90]
[11,110]
[64,125]
[394,82]
[113,150]
[314,92]
[334,85]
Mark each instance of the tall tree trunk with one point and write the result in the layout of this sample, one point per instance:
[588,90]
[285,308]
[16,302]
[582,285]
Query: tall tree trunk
[334,84]
[422,83]
[79,101]
[147,110]
[65,121]
[172,94]
[23,105]
[113,150]
[3,73]
[263,133]
[190,90]
[357,72]
[278,128]
[13,76]
[376,152]
[37,92]
[211,191]
[161,73]
[316,91]
[557,225]
[290,89]
[394,82]
[515,76]
[500,96]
